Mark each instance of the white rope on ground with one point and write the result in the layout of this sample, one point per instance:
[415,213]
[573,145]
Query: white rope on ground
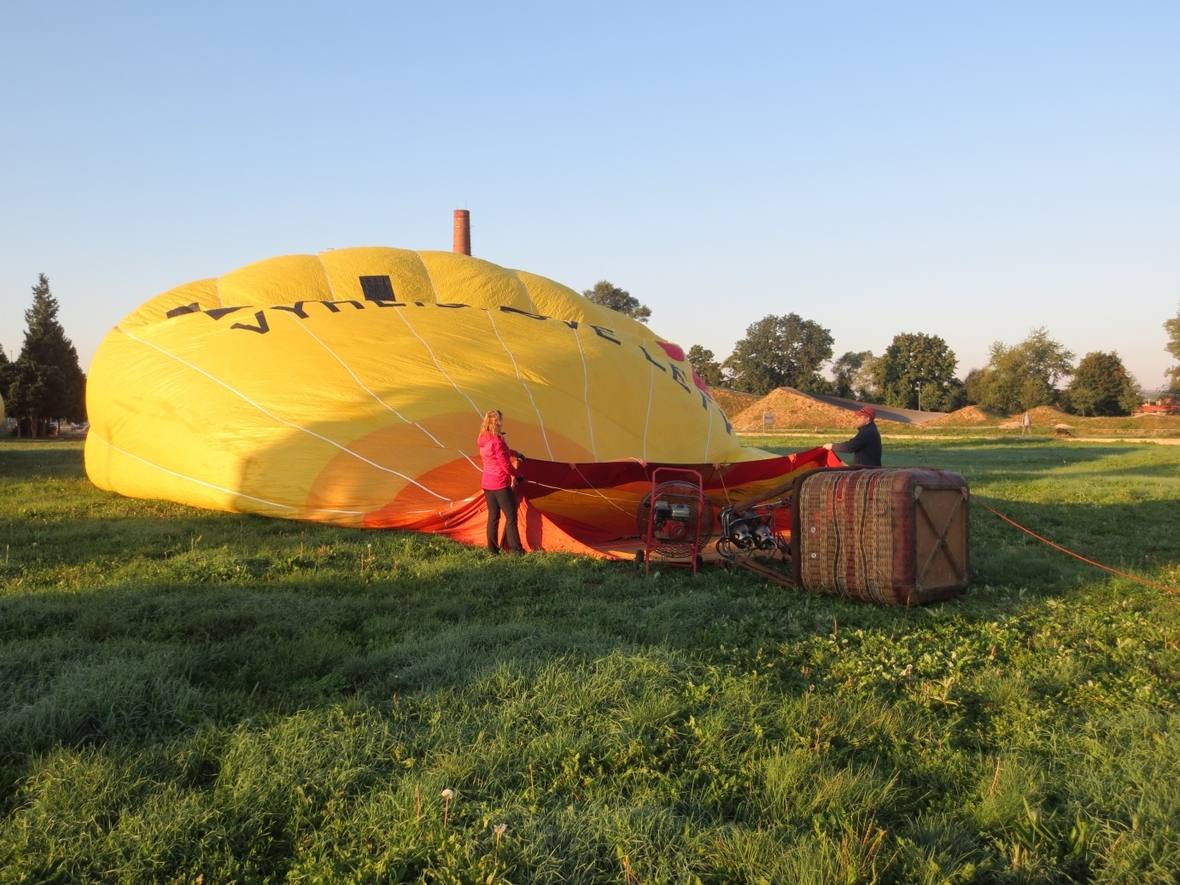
[282,420]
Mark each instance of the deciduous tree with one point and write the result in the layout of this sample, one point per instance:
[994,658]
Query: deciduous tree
[1024,375]
[705,364]
[609,295]
[1172,327]
[1102,386]
[918,370]
[849,376]
[974,384]
[780,351]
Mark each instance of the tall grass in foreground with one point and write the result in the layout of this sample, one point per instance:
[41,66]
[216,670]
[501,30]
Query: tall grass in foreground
[196,694]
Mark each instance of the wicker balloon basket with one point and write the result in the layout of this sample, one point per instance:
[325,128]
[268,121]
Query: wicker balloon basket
[890,536]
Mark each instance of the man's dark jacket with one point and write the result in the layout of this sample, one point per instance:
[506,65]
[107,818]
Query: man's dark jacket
[865,447]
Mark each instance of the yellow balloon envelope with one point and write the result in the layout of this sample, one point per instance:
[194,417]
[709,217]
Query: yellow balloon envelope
[348,388]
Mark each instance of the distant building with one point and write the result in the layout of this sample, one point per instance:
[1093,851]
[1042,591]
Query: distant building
[1162,405]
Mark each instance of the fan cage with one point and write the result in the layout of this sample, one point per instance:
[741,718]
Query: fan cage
[683,519]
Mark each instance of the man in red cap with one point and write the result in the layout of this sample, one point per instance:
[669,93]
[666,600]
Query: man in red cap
[865,447]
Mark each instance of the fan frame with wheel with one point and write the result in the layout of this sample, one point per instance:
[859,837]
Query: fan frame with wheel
[676,493]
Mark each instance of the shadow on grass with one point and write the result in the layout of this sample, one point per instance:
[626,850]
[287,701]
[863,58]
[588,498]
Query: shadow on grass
[1001,457]
[134,666]
[78,539]
[190,661]
[40,459]
[275,624]
[226,616]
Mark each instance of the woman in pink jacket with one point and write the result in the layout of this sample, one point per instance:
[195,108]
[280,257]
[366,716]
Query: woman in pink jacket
[498,471]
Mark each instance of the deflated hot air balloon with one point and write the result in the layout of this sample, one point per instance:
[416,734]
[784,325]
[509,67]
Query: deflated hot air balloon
[348,387]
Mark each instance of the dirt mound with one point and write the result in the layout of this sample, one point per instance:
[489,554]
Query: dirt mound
[784,409]
[732,402]
[1041,416]
[1048,414]
[968,416]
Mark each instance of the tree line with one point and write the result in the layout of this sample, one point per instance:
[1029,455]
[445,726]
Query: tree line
[46,383]
[916,370]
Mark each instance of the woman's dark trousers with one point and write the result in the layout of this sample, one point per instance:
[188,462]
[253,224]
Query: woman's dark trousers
[502,500]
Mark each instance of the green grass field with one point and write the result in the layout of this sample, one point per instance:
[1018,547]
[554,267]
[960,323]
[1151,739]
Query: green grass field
[200,696]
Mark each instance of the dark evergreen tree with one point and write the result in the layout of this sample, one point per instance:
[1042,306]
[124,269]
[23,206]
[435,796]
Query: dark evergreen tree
[5,383]
[5,369]
[609,295]
[46,381]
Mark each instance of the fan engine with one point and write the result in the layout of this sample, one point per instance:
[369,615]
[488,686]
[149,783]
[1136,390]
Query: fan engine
[675,519]
[747,530]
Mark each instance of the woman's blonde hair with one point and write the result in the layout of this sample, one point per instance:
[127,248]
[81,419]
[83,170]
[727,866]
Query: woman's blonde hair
[491,421]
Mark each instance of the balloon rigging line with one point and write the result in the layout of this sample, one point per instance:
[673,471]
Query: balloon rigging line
[651,385]
[327,276]
[586,392]
[282,420]
[361,384]
[590,494]
[437,364]
[516,369]
[708,433]
[597,490]
[414,332]
[721,476]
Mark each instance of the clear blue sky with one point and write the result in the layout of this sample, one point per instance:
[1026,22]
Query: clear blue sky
[967,170]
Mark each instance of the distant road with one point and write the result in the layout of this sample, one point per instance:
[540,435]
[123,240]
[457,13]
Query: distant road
[890,413]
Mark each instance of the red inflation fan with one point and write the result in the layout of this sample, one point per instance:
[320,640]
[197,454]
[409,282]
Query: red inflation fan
[675,519]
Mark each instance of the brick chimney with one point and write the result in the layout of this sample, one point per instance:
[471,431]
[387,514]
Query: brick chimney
[462,239]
